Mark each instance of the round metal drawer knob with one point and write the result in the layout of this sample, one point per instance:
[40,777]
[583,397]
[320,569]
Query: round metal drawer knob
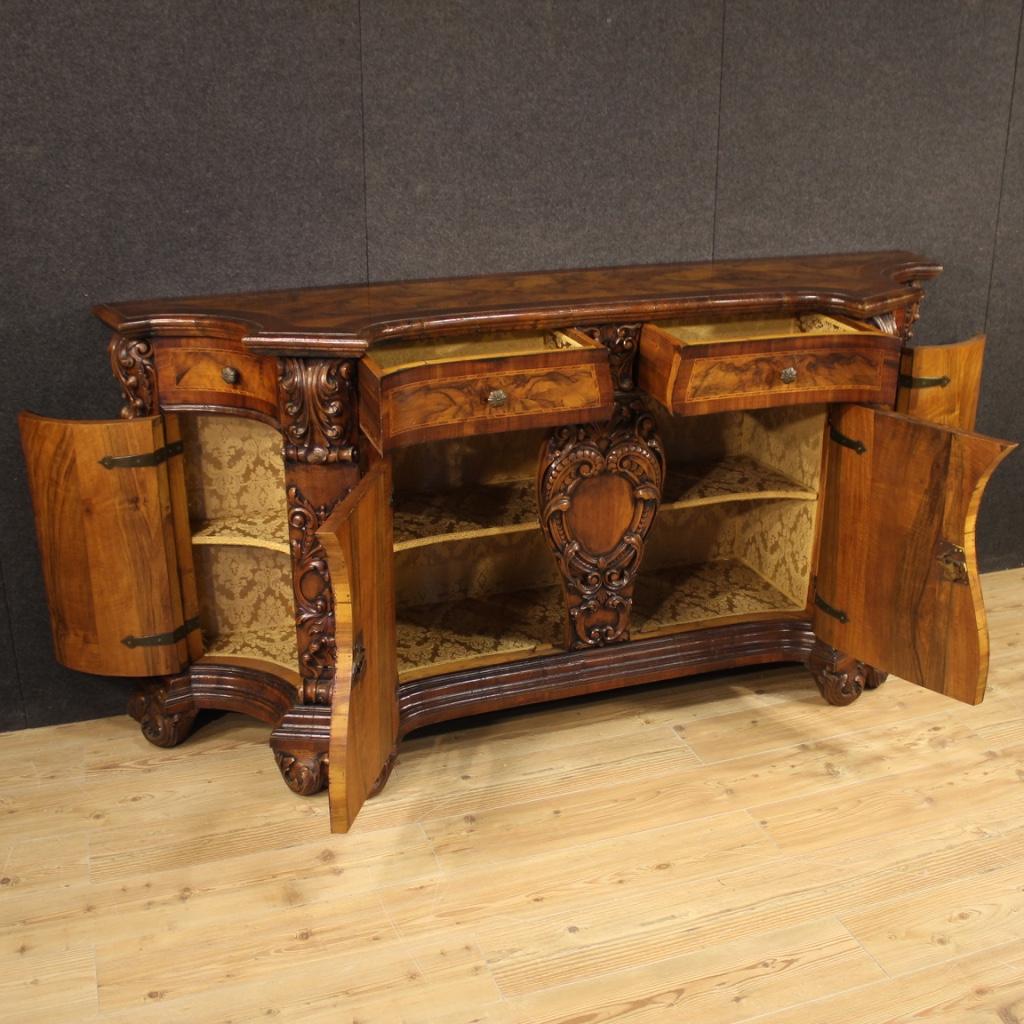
[230,375]
[497,397]
[788,375]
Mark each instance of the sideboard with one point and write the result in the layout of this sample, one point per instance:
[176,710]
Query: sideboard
[355,511]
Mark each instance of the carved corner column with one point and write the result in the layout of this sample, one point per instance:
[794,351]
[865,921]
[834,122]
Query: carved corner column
[598,490]
[317,400]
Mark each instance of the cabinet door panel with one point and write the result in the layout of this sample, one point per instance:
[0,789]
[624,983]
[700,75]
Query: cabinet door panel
[897,558]
[941,383]
[107,538]
[364,708]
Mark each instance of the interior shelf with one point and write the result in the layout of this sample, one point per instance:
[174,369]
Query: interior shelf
[443,637]
[729,478]
[701,593]
[274,644]
[465,512]
[264,529]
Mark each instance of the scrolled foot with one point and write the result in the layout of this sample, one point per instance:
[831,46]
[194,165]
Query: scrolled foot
[304,774]
[165,711]
[875,678]
[841,678]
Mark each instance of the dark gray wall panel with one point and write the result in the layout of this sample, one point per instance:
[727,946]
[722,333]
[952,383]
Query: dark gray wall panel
[12,709]
[869,125]
[522,134]
[1001,524]
[154,148]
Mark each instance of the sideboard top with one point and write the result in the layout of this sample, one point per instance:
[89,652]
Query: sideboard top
[346,319]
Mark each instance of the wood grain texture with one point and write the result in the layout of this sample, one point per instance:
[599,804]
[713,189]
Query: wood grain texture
[897,554]
[109,544]
[458,398]
[725,850]
[345,320]
[953,403]
[364,706]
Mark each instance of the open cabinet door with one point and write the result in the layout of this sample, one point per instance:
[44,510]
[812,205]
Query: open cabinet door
[897,584]
[364,707]
[109,500]
[941,383]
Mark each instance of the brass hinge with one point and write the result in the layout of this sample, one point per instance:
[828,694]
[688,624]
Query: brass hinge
[358,659]
[847,442]
[145,459]
[836,613]
[906,381]
[162,639]
[953,560]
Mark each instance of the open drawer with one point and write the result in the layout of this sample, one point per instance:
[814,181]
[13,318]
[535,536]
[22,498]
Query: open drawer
[716,366]
[429,389]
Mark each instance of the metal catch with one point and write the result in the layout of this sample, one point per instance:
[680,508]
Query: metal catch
[358,660]
[847,442]
[836,613]
[906,381]
[953,560]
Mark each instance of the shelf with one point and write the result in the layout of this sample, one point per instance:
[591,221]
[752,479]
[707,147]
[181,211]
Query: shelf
[444,637]
[278,646]
[255,529]
[465,512]
[727,588]
[732,478]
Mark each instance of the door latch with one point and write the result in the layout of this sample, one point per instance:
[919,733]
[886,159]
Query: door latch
[953,560]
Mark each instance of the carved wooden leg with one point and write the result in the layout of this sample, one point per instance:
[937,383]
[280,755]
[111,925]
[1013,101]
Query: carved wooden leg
[165,710]
[840,677]
[598,489]
[300,743]
[304,772]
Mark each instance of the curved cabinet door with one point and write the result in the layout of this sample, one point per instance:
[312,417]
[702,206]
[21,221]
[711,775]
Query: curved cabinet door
[941,383]
[897,583]
[113,537]
[357,537]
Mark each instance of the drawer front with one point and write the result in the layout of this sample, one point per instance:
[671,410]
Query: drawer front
[198,372]
[817,375]
[489,399]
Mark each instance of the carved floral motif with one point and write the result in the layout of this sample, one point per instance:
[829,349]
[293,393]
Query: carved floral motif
[162,725]
[599,585]
[314,597]
[131,359]
[621,340]
[318,410]
[303,774]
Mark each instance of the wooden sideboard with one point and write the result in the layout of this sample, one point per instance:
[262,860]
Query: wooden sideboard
[351,512]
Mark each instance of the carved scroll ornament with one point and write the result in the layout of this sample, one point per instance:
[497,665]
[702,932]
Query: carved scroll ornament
[131,359]
[318,405]
[611,475]
[621,340]
[314,597]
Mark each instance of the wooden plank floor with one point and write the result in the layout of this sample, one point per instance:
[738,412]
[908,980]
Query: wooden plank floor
[718,852]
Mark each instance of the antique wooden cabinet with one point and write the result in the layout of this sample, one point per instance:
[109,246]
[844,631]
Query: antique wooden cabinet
[355,511]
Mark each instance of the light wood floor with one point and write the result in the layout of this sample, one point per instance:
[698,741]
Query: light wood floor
[711,853]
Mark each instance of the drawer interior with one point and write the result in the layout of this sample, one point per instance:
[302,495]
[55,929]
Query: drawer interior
[404,353]
[763,328]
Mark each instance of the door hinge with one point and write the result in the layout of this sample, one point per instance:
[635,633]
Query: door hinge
[836,613]
[906,381]
[153,458]
[847,442]
[162,639]
[358,659]
[953,560]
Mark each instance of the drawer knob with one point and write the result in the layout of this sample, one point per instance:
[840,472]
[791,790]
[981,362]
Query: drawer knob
[497,397]
[788,375]
[230,375]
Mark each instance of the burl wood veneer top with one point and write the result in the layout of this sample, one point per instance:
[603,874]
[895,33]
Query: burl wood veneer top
[346,319]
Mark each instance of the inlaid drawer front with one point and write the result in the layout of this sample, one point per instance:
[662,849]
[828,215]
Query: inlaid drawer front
[420,391]
[198,372]
[756,364]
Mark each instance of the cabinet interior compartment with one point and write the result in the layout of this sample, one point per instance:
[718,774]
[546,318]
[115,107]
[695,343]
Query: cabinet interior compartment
[234,477]
[475,580]
[762,328]
[734,537]
[403,353]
